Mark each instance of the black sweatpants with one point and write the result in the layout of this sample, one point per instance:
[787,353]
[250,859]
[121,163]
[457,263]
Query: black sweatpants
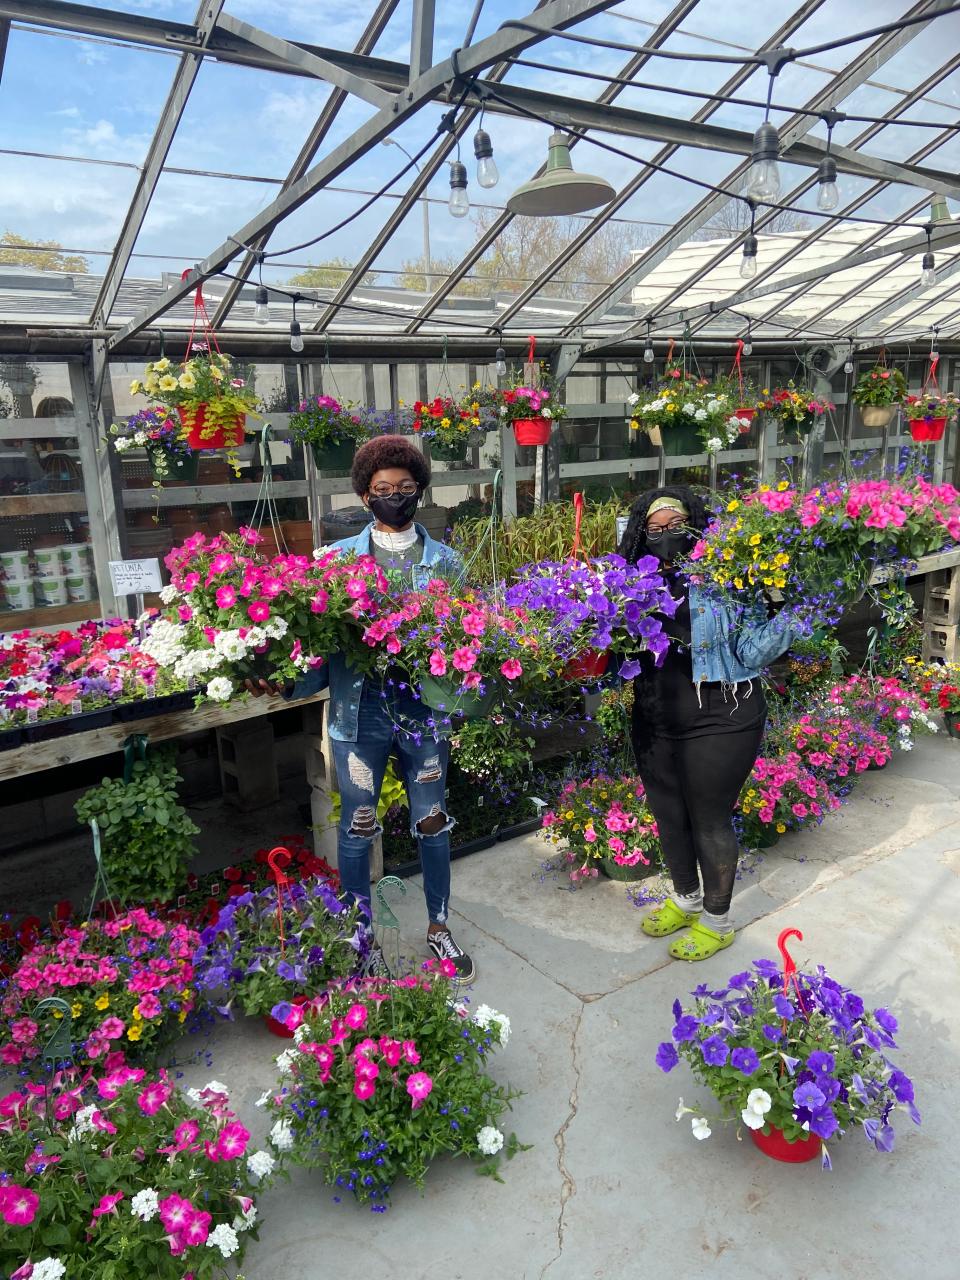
[692,786]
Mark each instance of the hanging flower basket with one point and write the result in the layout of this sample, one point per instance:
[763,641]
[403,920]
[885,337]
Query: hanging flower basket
[745,412]
[173,466]
[449,451]
[229,435]
[928,430]
[626,873]
[589,666]
[446,696]
[334,455]
[951,722]
[532,430]
[877,415]
[776,1146]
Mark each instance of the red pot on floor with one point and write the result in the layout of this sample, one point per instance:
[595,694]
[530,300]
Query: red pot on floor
[589,666]
[194,420]
[278,1028]
[775,1145]
[928,429]
[532,430]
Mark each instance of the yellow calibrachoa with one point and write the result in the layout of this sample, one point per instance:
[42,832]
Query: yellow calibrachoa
[102,1002]
[135,1032]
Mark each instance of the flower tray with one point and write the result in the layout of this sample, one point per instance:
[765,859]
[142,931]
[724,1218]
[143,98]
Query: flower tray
[142,707]
[525,828]
[927,430]
[775,1145]
[10,738]
[45,730]
[194,420]
[589,666]
[532,430]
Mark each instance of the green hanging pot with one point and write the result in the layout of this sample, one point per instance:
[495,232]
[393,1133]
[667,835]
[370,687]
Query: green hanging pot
[614,870]
[681,439]
[173,466]
[445,695]
[335,454]
[449,450]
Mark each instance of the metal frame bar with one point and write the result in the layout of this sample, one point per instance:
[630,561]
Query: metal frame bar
[421,38]
[331,109]
[167,125]
[556,15]
[914,291]
[646,172]
[798,127]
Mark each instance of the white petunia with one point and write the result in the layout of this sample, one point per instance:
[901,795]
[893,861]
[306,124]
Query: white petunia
[145,1204]
[220,689]
[752,1119]
[264,1098]
[48,1269]
[760,1101]
[681,1110]
[260,1164]
[281,1135]
[701,1129]
[285,1061]
[546,413]
[489,1140]
[169,593]
[223,1238]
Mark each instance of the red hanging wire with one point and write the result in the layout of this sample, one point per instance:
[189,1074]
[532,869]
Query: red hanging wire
[282,881]
[577,522]
[736,367]
[200,316]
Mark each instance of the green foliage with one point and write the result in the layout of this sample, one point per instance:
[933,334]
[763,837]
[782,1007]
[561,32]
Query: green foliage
[493,748]
[879,386]
[147,837]
[330,274]
[42,255]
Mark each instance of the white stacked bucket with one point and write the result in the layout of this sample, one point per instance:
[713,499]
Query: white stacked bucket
[17,579]
[62,574]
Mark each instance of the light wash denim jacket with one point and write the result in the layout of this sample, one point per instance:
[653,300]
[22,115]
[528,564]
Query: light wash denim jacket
[346,685]
[731,642]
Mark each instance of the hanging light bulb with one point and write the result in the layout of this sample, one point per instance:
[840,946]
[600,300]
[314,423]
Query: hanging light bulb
[848,363]
[501,365]
[748,264]
[928,271]
[459,203]
[261,310]
[763,178]
[296,337]
[488,174]
[648,355]
[748,343]
[828,196]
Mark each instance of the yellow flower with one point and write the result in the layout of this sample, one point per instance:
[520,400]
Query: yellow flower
[733,504]
[148,368]
[186,380]
[168,382]
[76,1009]
[738,583]
[728,554]
[160,365]
[780,583]
[475,407]
[138,1016]
[182,1015]
[152,385]
[781,828]
[102,1002]
[136,386]
[634,425]
[569,815]
[134,1032]
[216,374]
[444,422]
[755,540]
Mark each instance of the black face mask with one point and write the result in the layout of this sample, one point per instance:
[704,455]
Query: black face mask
[671,547]
[397,510]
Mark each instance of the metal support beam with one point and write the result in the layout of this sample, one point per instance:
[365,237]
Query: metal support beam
[170,117]
[917,290]
[646,172]
[96,463]
[322,68]
[860,70]
[4,35]
[558,14]
[421,38]
[331,109]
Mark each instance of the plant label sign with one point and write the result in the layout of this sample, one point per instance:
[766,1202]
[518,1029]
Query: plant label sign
[622,522]
[135,577]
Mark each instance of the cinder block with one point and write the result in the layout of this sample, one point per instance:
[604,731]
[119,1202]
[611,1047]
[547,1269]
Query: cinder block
[248,768]
[941,643]
[941,605]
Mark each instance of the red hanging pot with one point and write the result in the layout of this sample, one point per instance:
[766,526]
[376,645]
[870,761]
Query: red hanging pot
[278,1028]
[775,1145]
[194,420]
[588,666]
[744,412]
[532,430]
[928,429]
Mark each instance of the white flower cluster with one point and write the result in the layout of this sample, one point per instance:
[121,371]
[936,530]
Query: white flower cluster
[484,1016]
[489,1140]
[145,1204]
[754,1113]
[223,1238]
[244,1221]
[281,1135]
[122,444]
[260,1164]
[301,1033]
[220,689]
[82,1122]
[169,593]
[48,1269]
[164,643]
[286,1060]
[195,663]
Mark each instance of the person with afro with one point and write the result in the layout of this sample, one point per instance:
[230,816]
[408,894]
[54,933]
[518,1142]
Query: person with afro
[370,720]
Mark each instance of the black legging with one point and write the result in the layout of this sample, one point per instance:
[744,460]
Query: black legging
[692,785]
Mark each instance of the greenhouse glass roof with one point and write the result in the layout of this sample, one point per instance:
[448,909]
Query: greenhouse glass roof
[306,147]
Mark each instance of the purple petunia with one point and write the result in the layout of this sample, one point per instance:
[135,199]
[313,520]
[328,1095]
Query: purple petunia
[715,1051]
[685,1028]
[783,1007]
[824,1123]
[667,1057]
[821,1062]
[808,1095]
[886,1020]
[745,1060]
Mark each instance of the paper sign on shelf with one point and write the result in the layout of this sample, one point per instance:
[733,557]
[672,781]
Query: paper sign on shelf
[621,528]
[135,577]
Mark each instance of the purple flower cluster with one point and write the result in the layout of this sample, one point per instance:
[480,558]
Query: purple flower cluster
[599,604]
[825,1066]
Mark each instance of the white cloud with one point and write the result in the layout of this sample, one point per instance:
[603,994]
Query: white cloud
[72,113]
[90,55]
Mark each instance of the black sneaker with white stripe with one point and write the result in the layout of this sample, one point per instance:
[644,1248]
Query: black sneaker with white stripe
[442,945]
[376,965]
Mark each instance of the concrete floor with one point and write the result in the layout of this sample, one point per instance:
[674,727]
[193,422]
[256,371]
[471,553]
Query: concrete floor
[613,1186]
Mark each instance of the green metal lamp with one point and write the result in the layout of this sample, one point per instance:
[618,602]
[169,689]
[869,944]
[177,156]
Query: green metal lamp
[560,190]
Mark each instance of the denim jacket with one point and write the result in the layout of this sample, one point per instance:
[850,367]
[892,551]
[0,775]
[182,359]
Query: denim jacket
[730,642]
[346,685]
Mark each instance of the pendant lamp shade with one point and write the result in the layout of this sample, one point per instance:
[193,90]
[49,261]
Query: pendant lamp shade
[560,190]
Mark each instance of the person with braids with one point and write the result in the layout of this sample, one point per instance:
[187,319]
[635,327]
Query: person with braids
[370,720]
[697,724]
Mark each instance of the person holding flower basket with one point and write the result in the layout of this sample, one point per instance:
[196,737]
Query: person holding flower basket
[698,720]
[370,719]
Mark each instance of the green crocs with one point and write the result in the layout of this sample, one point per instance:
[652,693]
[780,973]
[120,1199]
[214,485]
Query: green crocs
[700,943]
[667,919]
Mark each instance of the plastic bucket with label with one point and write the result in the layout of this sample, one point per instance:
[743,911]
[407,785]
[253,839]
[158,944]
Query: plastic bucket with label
[51,591]
[18,593]
[79,587]
[16,565]
[48,562]
[75,558]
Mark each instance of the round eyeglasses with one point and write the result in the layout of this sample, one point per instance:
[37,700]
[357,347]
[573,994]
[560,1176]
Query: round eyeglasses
[406,487]
[655,532]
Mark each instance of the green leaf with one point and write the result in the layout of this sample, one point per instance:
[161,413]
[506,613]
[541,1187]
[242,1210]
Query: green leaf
[55,1235]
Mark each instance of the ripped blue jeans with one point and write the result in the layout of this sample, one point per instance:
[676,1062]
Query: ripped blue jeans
[390,725]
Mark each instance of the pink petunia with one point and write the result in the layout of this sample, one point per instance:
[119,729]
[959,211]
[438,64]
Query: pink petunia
[24,1030]
[419,1086]
[364,1088]
[410,1053]
[232,1142]
[153,1097]
[108,1204]
[511,669]
[226,597]
[18,1205]
[259,611]
[150,1006]
[356,1017]
[438,663]
[111,1029]
[464,659]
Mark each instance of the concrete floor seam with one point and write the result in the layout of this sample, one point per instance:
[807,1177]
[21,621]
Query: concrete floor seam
[568,1186]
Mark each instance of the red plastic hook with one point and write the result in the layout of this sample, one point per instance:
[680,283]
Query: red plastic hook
[282,880]
[789,966]
[533,347]
[577,522]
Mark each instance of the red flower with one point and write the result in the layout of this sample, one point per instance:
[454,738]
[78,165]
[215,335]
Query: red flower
[233,874]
